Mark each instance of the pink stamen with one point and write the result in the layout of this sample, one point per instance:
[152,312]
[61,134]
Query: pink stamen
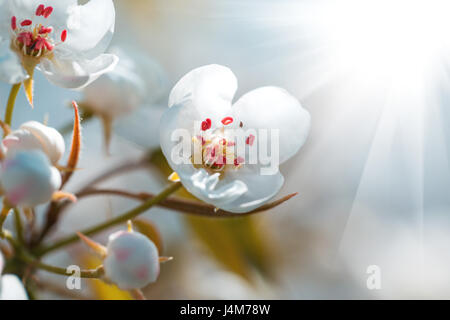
[40,43]
[202,140]
[47,12]
[45,30]
[227,120]
[14,23]
[48,45]
[25,38]
[40,10]
[250,139]
[213,152]
[230,144]
[223,141]
[238,161]
[63,35]
[26,22]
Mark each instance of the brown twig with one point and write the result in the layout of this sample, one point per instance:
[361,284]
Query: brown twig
[183,205]
[54,210]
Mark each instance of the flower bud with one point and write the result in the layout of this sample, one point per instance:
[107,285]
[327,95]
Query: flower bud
[28,179]
[34,135]
[132,260]
[2,263]
[11,288]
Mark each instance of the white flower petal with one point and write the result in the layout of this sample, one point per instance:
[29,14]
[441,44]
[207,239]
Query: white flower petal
[26,9]
[76,74]
[11,70]
[51,140]
[211,189]
[260,188]
[90,28]
[275,108]
[12,288]
[178,119]
[33,135]
[209,89]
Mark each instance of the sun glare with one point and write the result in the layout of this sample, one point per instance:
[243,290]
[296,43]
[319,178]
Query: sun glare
[386,37]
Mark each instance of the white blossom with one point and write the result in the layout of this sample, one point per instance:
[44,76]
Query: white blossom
[66,40]
[201,103]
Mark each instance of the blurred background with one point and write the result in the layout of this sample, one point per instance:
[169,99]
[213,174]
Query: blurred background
[373,178]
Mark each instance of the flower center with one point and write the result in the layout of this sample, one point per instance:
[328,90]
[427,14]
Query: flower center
[35,39]
[217,150]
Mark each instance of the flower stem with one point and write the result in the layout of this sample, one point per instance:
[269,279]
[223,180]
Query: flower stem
[18,226]
[113,222]
[91,274]
[3,215]
[11,102]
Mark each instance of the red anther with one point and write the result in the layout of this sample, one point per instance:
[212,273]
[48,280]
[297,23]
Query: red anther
[47,12]
[40,10]
[48,46]
[238,161]
[40,43]
[223,141]
[227,120]
[45,30]
[25,38]
[250,139]
[63,35]
[202,140]
[14,23]
[217,165]
[221,161]
[206,124]
[26,22]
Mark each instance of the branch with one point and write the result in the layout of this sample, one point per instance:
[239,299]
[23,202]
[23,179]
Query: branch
[34,263]
[129,215]
[54,210]
[183,205]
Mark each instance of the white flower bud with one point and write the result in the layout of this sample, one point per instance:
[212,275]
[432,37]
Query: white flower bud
[132,260]
[34,135]
[2,263]
[28,179]
[11,287]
